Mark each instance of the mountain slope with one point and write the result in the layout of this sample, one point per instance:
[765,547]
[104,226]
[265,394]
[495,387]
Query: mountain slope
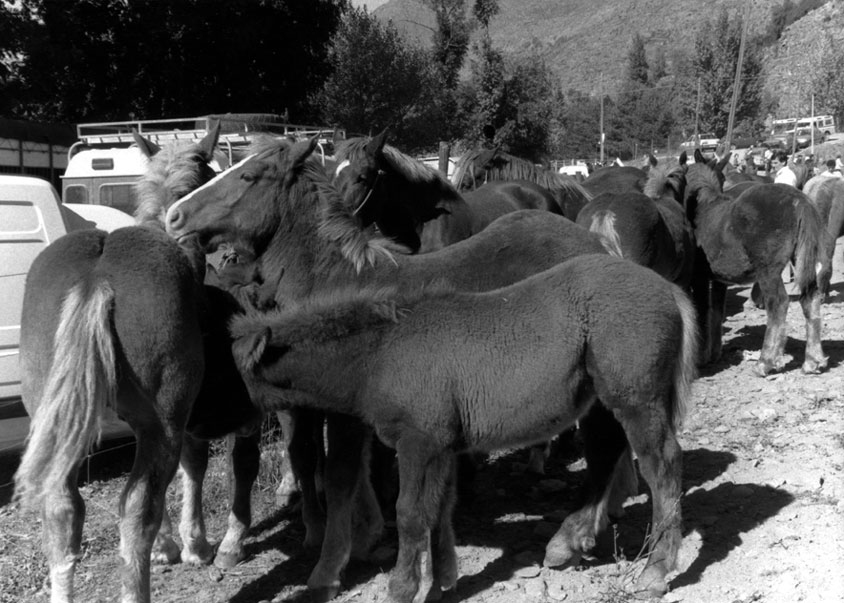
[583,39]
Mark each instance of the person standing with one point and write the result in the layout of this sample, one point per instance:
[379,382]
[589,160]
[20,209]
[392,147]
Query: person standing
[783,173]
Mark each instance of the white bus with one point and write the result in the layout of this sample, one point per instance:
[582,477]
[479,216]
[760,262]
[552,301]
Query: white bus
[824,123]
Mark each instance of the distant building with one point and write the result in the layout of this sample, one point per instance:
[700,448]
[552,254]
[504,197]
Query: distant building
[35,149]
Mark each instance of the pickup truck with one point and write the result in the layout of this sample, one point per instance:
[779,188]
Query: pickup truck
[31,217]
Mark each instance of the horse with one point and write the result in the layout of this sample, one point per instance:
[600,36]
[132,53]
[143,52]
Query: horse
[222,406]
[650,228]
[280,204]
[750,239]
[827,195]
[95,306]
[415,205]
[593,327]
[484,166]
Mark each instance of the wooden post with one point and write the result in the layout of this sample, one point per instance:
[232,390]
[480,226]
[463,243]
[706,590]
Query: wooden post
[444,157]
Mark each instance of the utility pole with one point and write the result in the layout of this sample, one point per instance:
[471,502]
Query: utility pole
[697,114]
[737,80]
[602,117]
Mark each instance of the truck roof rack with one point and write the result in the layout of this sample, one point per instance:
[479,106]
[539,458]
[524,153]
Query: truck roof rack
[237,129]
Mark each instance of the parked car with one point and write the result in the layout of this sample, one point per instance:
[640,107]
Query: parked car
[704,142]
[741,140]
[804,138]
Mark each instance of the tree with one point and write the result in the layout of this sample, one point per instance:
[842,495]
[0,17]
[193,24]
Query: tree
[451,38]
[715,59]
[111,59]
[378,81]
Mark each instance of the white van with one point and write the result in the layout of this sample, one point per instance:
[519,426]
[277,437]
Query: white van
[104,164]
[824,123]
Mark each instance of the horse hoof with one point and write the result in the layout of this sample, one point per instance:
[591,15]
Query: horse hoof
[166,553]
[323,594]
[561,557]
[814,367]
[652,582]
[200,556]
[228,560]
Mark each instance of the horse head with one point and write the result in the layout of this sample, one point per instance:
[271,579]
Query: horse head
[172,172]
[386,187]
[240,205]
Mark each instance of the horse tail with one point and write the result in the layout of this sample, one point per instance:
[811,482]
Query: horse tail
[81,385]
[812,263]
[685,368]
[603,224]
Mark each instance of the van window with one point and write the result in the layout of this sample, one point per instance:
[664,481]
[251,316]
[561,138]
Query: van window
[76,194]
[119,196]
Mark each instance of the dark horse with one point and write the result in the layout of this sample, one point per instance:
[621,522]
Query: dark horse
[109,322]
[484,168]
[415,205]
[282,205]
[749,239]
[223,406]
[649,228]
[589,328]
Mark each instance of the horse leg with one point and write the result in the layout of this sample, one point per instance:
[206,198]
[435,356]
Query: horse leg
[346,440]
[776,331]
[63,515]
[367,518]
[716,309]
[814,360]
[164,548]
[538,455]
[142,503]
[424,475]
[287,487]
[660,461]
[244,457]
[605,449]
[443,553]
[700,285]
[194,464]
[304,451]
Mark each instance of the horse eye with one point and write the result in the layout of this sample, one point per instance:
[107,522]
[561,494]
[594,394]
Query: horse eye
[248,176]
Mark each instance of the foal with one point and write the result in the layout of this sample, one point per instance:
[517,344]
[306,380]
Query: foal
[446,371]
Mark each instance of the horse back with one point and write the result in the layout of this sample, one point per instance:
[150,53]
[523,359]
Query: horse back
[154,317]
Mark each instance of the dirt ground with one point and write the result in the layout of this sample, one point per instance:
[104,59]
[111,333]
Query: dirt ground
[763,507]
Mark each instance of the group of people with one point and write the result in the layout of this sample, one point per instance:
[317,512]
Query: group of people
[777,164]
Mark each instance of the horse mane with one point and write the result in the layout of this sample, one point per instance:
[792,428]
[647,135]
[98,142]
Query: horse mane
[664,180]
[336,223]
[517,168]
[703,180]
[171,173]
[332,314]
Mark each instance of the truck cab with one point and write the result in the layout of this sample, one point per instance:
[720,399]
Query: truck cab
[32,217]
[104,164]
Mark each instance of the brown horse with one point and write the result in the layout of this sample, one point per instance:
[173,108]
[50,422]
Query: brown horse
[478,168]
[503,368]
[749,239]
[109,322]
[280,204]
[418,207]
[827,194]
[650,228]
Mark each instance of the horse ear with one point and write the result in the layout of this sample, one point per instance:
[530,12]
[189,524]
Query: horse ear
[683,158]
[148,147]
[249,349]
[207,144]
[699,158]
[375,147]
[722,162]
[652,160]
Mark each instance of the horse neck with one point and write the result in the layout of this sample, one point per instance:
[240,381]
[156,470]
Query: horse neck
[448,228]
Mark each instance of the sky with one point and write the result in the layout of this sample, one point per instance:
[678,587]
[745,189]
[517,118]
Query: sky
[371,5]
